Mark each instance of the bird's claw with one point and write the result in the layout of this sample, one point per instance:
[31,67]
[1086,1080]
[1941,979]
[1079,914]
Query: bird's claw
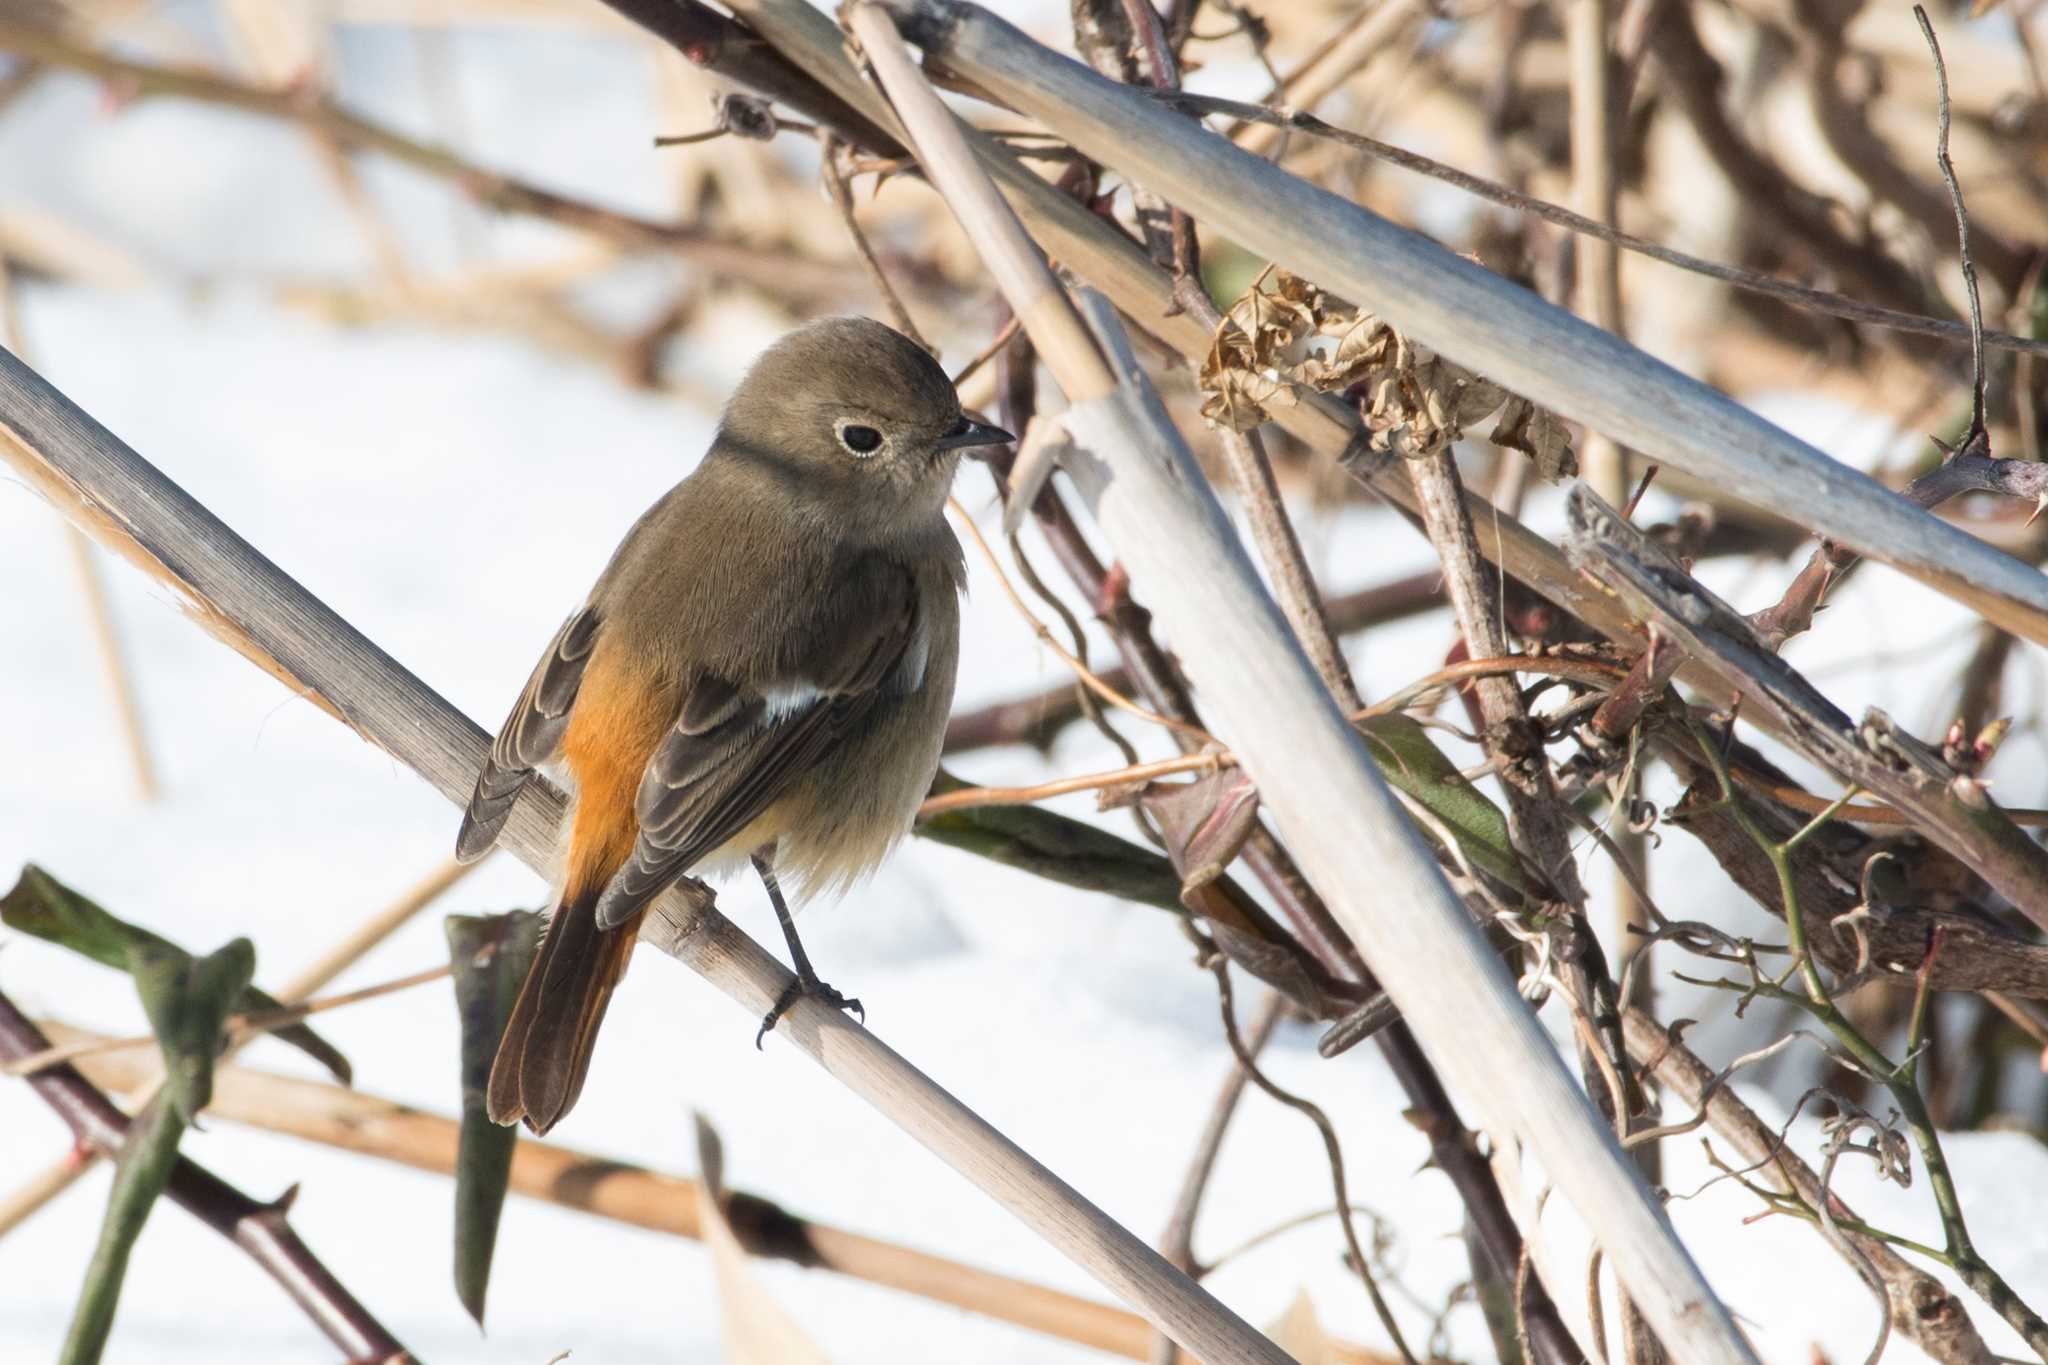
[816,990]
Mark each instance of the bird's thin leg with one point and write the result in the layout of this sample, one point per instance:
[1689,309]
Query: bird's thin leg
[807,982]
[764,863]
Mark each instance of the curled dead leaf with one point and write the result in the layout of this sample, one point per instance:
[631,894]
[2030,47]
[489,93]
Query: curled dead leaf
[1525,427]
[1289,335]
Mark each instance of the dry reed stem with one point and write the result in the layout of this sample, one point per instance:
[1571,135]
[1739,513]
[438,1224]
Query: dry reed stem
[1039,304]
[350,1120]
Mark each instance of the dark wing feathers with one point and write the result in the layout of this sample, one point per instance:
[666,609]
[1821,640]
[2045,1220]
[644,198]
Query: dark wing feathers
[729,754]
[530,736]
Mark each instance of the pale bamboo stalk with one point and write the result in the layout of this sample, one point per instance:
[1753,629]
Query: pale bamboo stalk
[1384,886]
[1473,316]
[1039,303]
[1036,299]
[1316,778]
[252,605]
[350,1120]
[1593,193]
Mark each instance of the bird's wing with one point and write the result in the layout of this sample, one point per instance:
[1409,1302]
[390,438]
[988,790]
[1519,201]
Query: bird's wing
[530,736]
[734,748]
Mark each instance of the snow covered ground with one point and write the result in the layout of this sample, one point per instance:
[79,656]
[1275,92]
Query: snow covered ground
[452,494]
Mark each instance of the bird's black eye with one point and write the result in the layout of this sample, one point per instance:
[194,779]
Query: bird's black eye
[860,440]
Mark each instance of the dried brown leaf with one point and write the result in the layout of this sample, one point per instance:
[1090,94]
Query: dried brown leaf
[1525,427]
[1277,340]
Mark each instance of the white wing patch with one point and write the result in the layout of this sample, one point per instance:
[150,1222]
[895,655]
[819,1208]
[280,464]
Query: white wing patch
[789,699]
[916,654]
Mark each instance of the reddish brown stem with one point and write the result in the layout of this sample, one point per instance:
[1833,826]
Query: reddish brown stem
[259,1229]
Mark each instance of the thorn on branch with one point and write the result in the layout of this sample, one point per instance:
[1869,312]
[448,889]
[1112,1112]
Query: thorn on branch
[747,117]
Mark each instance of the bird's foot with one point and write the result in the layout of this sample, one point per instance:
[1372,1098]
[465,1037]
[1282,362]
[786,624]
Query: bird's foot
[815,989]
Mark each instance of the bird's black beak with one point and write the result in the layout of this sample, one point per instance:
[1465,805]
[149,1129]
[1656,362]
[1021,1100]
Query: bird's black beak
[972,433]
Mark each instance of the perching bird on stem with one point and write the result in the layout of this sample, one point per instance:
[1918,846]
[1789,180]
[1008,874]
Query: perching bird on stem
[762,672]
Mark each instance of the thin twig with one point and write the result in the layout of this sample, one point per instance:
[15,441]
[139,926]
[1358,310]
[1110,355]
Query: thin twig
[1845,126]
[1922,1308]
[842,199]
[240,1027]
[1064,786]
[1082,672]
[1955,195]
[1332,1150]
[1003,337]
[1959,1252]
[1177,1242]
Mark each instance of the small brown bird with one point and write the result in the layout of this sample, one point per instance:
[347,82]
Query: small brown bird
[763,671]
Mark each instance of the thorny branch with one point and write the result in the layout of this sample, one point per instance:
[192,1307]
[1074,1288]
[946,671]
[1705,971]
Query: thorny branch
[259,1229]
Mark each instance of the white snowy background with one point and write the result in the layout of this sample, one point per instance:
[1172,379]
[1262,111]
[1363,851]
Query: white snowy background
[452,493]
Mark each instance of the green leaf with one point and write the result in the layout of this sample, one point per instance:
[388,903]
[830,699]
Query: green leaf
[42,906]
[1075,853]
[1410,760]
[490,955]
[1057,848]
[142,1169]
[188,1001]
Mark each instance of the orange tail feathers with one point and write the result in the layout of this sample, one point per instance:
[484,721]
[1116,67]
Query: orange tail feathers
[545,1053]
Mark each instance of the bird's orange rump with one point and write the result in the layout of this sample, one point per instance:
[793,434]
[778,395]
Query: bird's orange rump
[622,711]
